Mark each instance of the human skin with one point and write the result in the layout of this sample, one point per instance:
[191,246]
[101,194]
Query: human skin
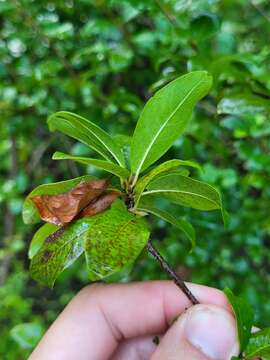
[119,321]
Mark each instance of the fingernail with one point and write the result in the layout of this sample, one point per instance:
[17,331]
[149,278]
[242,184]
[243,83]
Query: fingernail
[212,331]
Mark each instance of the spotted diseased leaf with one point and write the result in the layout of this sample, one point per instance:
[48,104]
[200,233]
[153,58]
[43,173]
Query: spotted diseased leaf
[259,345]
[114,240]
[244,317]
[111,240]
[39,237]
[63,208]
[54,248]
[30,211]
[58,251]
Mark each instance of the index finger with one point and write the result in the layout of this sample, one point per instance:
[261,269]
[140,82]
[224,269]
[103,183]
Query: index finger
[101,316]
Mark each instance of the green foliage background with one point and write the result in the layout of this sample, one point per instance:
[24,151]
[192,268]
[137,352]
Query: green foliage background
[103,59]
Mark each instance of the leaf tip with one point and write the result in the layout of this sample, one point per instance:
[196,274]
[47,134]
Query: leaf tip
[57,155]
[50,123]
[53,117]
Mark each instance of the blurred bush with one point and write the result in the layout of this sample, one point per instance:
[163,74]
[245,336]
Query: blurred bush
[103,59]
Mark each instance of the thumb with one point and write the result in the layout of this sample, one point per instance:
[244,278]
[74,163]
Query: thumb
[203,332]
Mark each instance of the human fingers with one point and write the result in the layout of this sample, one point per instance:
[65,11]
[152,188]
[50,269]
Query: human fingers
[137,348]
[101,316]
[204,332]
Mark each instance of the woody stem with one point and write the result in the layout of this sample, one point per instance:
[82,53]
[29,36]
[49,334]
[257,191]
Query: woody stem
[176,278]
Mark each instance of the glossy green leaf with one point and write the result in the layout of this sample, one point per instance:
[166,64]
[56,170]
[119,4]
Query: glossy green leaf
[101,164]
[180,223]
[30,213]
[88,133]
[185,191]
[162,168]
[114,240]
[244,317]
[259,345]
[39,237]
[59,252]
[165,117]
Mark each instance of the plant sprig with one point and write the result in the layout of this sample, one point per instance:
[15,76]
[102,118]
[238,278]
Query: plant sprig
[113,236]
[86,215]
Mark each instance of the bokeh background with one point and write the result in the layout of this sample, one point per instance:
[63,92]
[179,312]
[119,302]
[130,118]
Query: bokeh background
[103,59]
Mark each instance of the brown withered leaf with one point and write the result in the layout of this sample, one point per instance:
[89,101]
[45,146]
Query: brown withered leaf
[61,209]
[100,204]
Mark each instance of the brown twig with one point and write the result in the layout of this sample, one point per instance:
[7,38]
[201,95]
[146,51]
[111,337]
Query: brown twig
[165,266]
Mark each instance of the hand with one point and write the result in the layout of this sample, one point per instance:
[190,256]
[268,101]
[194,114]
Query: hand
[119,322]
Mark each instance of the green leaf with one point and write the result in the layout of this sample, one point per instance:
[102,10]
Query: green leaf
[30,213]
[244,317]
[259,345]
[181,224]
[165,117]
[114,240]
[88,133]
[185,191]
[59,251]
[39,237]
[27,335]
[101,164]
[162,168]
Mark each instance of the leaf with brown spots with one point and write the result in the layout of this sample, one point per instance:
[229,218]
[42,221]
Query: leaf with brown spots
[42,234]
[59,250]
[57,244]
[114,240]
[63,208]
